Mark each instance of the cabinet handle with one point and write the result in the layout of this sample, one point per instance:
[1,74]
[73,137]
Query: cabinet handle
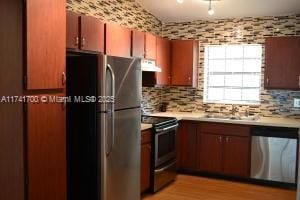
[220,138]
[299,80]
[82,42]
[267,81]
[64,78]
[227,139]
[77,41]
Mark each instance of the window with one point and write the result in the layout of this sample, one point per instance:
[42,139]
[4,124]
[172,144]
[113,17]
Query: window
[232,74]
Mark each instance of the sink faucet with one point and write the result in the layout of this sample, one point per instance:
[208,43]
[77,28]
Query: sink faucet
[234,110]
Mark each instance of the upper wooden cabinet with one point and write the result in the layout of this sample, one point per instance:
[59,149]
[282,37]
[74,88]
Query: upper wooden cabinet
[282,63]
[163,60]
[150,46]
[45,44]
[46,152]
[184,62]
[84,33]
[138,44]
[72,40]
[91,34]
[117,40]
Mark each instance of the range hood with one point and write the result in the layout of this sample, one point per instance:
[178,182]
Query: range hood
[149,66]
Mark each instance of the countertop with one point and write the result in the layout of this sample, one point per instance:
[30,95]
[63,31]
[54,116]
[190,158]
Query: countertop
[262,121]
[145,126]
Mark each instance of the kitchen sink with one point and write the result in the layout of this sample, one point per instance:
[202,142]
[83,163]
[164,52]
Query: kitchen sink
[225,117]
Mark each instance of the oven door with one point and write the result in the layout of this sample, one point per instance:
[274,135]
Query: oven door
[165,144]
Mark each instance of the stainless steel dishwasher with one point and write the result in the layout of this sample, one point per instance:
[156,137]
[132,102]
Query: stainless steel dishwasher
[274,154]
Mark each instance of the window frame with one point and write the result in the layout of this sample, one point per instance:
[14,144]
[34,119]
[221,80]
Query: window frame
[206,87]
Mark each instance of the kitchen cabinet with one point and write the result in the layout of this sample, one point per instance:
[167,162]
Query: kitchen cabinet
[214,148]
[145,160]
[117,40]
[224,149]
[72,40]
[282,63]
[84,33]
[33,144]
[187,145]
[163,60]
[150,46]
[46,151]
[91,34]
[138,44]
[184,62]
[236,156]
[45,44]
[210,153]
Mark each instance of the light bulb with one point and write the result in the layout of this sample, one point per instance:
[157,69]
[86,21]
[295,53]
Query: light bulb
[211,11]
[180,1]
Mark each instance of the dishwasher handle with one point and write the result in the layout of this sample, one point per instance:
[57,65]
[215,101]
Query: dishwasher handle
[278,132]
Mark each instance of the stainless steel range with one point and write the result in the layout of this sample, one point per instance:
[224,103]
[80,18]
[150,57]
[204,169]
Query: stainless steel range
[164,154]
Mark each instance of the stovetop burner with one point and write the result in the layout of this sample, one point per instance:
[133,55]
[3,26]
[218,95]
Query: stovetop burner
[158,121]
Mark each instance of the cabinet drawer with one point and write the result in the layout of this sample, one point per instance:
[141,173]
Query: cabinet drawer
[225,129]
[146,136]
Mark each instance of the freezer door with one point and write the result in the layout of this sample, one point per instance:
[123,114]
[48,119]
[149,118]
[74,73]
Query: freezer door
[127,74]
[274,159]
[120,163]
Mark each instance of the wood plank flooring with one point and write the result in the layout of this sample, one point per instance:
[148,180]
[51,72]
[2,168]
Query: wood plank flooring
[198,188]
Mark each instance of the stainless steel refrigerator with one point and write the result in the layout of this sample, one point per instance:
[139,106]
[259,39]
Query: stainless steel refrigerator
[104,151]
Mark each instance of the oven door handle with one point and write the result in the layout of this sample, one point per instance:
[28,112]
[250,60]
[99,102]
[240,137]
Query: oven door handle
[168,128]
[166,167]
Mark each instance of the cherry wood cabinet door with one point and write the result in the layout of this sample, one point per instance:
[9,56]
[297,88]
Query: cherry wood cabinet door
[237,156]
[91,34]
[46,151]
[118,40]
[282,63]
[210,153]
[138,44]
[150,46]
[72,30]
[187,146]
[46,43]
[145,166]
[163,60]
[184,63]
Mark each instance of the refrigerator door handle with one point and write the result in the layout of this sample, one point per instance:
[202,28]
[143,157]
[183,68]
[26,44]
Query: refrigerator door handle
[112,109]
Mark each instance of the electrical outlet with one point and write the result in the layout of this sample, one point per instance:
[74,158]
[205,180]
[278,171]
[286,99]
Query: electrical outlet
[297,103]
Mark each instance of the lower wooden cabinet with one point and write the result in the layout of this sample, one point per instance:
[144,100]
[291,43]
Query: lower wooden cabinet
[46,151]
[210,153]
[145,160]
[214,148]
[187,145]
[237,156]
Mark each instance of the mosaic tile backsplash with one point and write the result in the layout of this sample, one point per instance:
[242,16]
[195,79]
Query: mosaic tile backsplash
[127,13]
[276,103]
[230,31]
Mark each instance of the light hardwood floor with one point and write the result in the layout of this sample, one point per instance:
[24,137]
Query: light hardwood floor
[198,188]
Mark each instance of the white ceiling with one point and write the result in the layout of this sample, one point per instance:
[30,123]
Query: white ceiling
[171,11]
